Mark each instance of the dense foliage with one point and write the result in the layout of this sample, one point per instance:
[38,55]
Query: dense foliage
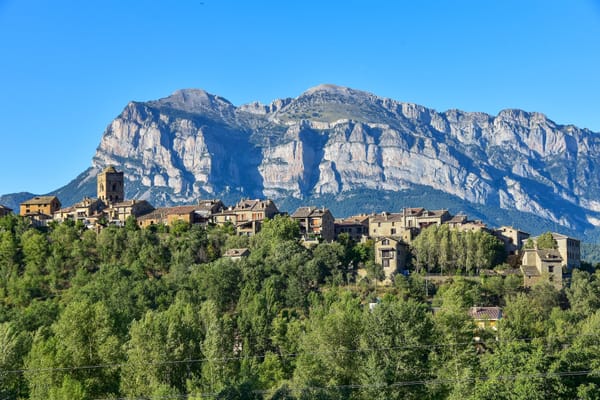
[154,314]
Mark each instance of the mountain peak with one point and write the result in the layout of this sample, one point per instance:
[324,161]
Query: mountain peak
[192,100]
[327,88]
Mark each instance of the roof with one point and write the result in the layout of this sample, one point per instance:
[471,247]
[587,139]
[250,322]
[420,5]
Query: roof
[558,236]
[458,219]
[530,270]
[413,211]
[252,204]
[164,211]
[386,217]
[5,208]
[66,210]
[433,213]
[549,255]
[486,313]
[237,252]
[110,169]
[306,212]
[354,219]
[128,203]
[86,202]
[40,200]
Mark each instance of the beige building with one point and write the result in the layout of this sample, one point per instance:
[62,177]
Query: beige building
[512,238]
[46,205]
[247,216]
[463,224]
[356,227]
[569,249]
[407,223]
[84,211]
[117,213]
[391,254]
[195,214]
[315,223]
[388,224]
[542,265]
[110,186]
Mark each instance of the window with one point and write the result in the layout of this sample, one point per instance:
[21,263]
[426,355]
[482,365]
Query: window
[393,231]
[385,254]
[551,269]
[385,242]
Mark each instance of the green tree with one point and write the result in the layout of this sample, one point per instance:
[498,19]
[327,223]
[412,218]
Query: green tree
[394,344]
[170,342]
[328,355]
[14,346]
[546,241]
[68,351]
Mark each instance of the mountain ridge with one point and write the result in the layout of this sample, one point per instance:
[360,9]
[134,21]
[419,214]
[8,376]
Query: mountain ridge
[332,140]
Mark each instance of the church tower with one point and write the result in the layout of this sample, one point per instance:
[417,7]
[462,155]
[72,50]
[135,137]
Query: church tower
[110,186]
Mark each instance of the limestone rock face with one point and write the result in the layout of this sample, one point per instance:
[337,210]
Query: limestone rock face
[332,140]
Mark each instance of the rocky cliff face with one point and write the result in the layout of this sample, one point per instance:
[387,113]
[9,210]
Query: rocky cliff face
[332,140]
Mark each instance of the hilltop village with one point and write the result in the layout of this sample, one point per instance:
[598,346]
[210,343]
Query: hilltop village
[391,233]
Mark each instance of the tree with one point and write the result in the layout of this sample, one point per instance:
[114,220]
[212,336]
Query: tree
[546,241]
[394,344]
[217,368]
[14,346]
[53,357]
[170,342]
[328,355]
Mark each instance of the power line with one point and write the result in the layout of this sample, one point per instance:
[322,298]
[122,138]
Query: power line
[418,382]
[287,355]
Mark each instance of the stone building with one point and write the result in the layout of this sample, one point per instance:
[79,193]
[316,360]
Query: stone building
[46,205]
[110,186]
[391,254]
[247,216]
[315,223]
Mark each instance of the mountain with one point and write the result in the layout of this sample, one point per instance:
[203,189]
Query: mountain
[337,146]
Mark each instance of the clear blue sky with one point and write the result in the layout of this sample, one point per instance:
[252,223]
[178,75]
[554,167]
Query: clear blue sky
[67,68]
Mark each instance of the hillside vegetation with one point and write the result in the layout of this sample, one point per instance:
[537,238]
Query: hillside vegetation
[159,314]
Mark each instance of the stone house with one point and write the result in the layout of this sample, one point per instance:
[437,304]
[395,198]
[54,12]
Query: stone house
[512,238]
[357,227]
[463,224]
[569,249]
[195,214]
[315,223]
[46,205]
[389,224]
[391,254]
[436,217]
[247,216]
[407,223]
[83,211]
[117,213]
[542,265]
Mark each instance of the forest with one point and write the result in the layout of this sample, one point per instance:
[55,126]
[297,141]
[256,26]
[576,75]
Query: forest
[131,313]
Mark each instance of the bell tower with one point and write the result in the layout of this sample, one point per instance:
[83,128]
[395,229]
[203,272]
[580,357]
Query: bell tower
[110,186]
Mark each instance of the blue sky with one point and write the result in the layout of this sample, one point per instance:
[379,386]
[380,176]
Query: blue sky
[67,68]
